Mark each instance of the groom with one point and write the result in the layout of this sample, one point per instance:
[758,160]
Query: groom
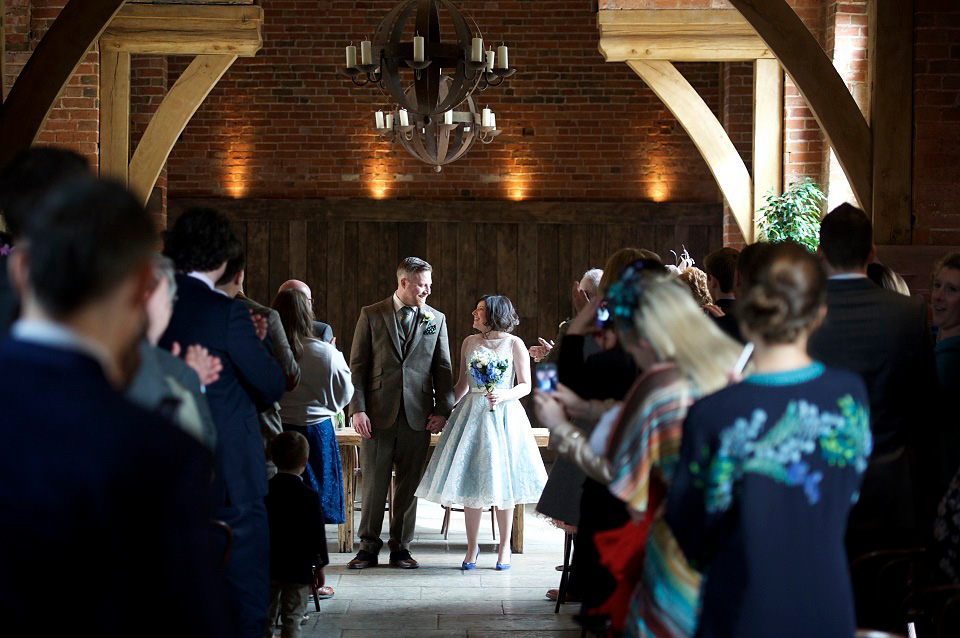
[400,361]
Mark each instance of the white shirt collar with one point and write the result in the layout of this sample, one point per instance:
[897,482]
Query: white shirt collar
[206,280]
[55,335]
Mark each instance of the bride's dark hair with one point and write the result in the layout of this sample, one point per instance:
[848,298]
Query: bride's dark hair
[500,313]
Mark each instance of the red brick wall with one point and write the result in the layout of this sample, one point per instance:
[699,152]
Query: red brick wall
[284,124]
[737,120]
[936,91]
[148,87]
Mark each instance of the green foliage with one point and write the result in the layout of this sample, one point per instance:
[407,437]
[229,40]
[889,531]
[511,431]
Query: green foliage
[795,215]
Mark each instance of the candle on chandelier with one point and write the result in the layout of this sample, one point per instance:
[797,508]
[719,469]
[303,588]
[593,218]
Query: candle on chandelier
[502,55]
[493,120]
[418,48]
[389,120]
[366,52]
[477,53]
[485,117]
[448,117]
[404,118]
[379,116]
[490,58]
[351,56]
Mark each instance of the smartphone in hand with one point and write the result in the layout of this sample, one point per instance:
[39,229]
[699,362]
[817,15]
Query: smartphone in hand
[547,377]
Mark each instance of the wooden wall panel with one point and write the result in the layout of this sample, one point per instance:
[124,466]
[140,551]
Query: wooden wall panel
[532,252]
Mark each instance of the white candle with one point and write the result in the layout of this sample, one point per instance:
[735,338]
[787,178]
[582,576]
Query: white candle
[404,118]
[477,53]
[448,117]
[485,117]
[390,120]
[379,116]
[490,57]
[502,55]
[418,48]
[351,56]
[493,120]
[366,52]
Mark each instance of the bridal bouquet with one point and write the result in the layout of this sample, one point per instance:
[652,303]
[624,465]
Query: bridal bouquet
[487,369]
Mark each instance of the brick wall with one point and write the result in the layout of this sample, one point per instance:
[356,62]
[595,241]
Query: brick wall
[285,124]
[148,87]
[737,121]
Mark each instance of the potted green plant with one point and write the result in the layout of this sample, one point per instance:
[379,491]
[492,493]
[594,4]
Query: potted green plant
[795,215]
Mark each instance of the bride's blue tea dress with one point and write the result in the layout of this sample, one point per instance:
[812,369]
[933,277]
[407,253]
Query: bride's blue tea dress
[485,458]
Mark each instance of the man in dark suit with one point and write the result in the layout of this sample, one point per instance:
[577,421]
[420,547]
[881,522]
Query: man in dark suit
[882,336]
[721,269]
[91,485]
[200,243]
[321,330]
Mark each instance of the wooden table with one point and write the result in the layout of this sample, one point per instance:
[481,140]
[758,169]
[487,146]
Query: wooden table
[349,441]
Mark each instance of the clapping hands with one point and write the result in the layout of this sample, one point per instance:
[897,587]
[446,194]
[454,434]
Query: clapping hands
[537,353]
[259,324]
[206,365]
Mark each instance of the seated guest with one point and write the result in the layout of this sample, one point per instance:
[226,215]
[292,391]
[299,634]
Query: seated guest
[163,383]
[26,179]
[297,540]
[769,469]
[200,244]
[887,278]
[321,330]
[883,337]
[92,483]
[721,269]
[325,389]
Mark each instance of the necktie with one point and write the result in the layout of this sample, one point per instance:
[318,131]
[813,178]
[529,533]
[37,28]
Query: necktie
[406,321]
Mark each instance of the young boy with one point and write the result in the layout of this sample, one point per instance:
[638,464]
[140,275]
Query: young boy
[297,539]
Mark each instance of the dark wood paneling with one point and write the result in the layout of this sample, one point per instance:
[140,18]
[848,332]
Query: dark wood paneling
[532,252]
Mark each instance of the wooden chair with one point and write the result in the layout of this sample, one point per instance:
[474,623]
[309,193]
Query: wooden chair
[445,526]
[565,573]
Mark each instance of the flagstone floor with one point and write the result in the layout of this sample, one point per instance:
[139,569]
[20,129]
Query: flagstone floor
[439,599]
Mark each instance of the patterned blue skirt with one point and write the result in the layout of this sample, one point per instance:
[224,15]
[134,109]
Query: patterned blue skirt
[324,473]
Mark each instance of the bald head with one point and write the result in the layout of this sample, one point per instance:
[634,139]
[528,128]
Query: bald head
[296,284]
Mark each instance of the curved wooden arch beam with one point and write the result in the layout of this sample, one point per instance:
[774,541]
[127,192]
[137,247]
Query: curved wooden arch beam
[822,87]
[707,133]
[48,70]
[181,102]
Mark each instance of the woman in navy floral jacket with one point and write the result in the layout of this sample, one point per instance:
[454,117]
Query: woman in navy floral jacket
[769,470]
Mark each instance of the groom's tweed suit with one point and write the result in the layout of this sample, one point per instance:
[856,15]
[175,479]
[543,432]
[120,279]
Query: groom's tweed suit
[399,383]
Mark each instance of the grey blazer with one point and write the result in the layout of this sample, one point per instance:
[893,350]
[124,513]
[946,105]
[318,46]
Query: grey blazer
[384,371]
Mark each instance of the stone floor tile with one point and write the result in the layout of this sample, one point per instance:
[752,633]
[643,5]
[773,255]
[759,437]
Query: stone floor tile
[358,592]
[541,606]
[446,605]
[530,622]
[488,593]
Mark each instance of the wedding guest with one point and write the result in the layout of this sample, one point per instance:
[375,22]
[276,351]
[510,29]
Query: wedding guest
[325,388]
[883,337]
[200,243]
[666,333]
[487,456]
[297,539]
[26,179]
[887,278]
[945,302]
[769,469]
[321,330]
[721,269]
[583,291]
[89,478]
[696,280]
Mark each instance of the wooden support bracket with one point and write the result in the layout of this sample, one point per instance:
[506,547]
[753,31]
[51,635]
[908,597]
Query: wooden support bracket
[185,30]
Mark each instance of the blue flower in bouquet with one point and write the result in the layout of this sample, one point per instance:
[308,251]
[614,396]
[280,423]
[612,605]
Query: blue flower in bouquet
[487,369]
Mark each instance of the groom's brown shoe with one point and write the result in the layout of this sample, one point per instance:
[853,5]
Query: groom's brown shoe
[363,560]
[403,560]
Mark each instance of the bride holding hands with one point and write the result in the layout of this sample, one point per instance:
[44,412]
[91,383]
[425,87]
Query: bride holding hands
[487,456]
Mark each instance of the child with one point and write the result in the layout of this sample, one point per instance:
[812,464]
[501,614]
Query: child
[297,539]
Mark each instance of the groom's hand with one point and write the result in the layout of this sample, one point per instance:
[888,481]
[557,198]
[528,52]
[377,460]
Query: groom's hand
[361,423]
[435,424]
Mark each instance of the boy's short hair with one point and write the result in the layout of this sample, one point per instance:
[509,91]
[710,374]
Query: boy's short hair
[289,449]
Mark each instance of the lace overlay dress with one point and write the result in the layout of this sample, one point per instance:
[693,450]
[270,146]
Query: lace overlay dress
[485,458]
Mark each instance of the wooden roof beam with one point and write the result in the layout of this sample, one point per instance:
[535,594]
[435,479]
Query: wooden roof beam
[178,29]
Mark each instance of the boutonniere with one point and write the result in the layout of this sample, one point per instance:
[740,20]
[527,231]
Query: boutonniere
[427,320]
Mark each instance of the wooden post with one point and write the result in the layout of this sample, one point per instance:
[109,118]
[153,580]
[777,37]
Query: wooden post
[891,103]
[3,51]
[114,115]
[345,530]
[707,134]
[516,535]
[767,134]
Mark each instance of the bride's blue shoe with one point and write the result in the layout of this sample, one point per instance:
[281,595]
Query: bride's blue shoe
[472,565]
[502,567]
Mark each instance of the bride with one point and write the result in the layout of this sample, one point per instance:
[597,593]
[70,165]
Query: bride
[487,456]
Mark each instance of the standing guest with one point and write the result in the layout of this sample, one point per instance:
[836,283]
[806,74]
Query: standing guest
[769,469]
[321,330]
[23,182]
[297,540]
[325,388]
[86,476]
[403,392]
[887,279]
[945,301]
[883,337]
[583,291]
[487,456]
[200,243]
[231,284]
[721,269]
